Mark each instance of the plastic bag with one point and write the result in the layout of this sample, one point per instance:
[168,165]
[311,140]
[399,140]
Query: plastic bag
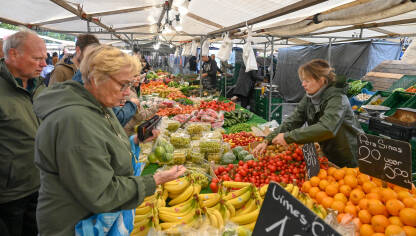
[226,48]
[180,139]
[177,51]
[194,48]
[248,54]
[205,48]
[197,127]
[186,50]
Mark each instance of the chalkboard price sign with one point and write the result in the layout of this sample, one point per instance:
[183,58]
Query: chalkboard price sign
[282,214]
[311,159]
[387,159]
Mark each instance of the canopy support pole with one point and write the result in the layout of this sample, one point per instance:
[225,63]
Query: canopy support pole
[329,50]
[270,113]
[88,26]
[200,66]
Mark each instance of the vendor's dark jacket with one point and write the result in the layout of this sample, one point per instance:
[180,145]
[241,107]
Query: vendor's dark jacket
[19,176]
[333,126]
[64,70]
[84,158]
[246,81]
[210,67]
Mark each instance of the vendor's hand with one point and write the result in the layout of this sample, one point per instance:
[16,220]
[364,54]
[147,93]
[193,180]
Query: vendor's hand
[260,148]
[279,139]
[169,175]
[204,75]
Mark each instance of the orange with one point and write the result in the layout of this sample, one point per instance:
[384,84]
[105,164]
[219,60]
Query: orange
[387,194]
[351,171]
[393,230]
[323,184]
[340,197]
[362,178]
[357,223]
[366,230]
[363,204]
[331,179]
[373,196]
[327,202]
[403,194]
[345,189]
[409,201]
[364,216]
[351,181]
[314,181]
[367,186]
[350,210]
[331,170]
[338,206]
[378,182]
[376,207]
[398,189]
[356,195]
[379,223]
[394,220]
[313,191]
[394,206]
[410,231]
[331,189]
[306,186]
[408,216]
[378,234]
[341,182]
[344,218]
[320,196]
[339,174]
[322,174]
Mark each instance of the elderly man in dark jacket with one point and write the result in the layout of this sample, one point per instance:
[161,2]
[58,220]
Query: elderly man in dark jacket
[25,55]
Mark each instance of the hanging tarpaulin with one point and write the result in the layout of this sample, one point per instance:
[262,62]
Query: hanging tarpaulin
[205,48]
[248,54]
[194,48]
[226,49]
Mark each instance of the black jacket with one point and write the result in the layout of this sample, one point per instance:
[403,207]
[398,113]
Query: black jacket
[246,81]
[210,67]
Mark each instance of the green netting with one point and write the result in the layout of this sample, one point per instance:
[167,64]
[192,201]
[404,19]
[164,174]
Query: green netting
[404,82]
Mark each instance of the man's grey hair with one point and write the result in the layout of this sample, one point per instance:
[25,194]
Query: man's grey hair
[16,40]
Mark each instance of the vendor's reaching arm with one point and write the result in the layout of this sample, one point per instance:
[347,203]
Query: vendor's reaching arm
[296,120]
[326,128]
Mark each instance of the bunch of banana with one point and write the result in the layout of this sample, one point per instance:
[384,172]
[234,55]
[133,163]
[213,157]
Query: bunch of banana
[142,227]
[176,187]
[263,190]
[215,218]
[306,200]
[247,217]
[239,197]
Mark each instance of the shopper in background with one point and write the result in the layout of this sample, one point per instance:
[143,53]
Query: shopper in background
[48,59]
[66,68]
[209,74]
[193,64]
[326,110]
[25,55]
[244,88]
[146,65]
[218,68]
[54,58]
[82,151]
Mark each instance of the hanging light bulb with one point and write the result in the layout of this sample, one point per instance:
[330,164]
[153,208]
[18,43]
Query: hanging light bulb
[170,45]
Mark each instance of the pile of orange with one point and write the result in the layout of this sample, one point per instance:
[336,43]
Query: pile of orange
[375,207]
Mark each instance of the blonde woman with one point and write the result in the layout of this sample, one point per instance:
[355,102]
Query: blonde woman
[81,149]
[327,112]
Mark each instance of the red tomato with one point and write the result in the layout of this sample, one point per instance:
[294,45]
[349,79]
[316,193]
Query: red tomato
[214,187]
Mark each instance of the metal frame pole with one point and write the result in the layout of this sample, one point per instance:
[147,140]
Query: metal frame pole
[264,60]
[200,66]
[271,82]
[329,50]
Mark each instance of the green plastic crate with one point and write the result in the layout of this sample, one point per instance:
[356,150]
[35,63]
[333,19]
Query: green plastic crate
[404,82]
[383,94]
[264,113]
[396,100]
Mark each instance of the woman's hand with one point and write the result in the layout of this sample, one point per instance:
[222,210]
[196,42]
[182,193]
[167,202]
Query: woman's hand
[260,148]
[279,139]
[169,175]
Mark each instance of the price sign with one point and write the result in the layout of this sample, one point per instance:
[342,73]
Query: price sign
[387,159]
[311,159]
[282,214]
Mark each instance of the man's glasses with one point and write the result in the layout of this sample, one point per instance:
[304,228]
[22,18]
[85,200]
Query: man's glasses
[124,86]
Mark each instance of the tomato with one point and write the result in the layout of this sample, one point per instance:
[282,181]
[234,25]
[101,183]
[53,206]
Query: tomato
[214,187]
[241,163]
[231,166]
[215,180]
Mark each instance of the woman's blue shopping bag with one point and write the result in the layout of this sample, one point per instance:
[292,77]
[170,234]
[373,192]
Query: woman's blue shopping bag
[118,223]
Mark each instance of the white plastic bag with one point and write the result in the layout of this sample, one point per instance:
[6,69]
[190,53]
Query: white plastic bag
[186,50]
[177,52]
[194,48]
[409,56]
[248,54]
[205,48]
[226,48]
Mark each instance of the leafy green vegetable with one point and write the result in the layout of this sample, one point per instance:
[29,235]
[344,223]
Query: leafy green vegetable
[355,87]
[228,158]
[240,128]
